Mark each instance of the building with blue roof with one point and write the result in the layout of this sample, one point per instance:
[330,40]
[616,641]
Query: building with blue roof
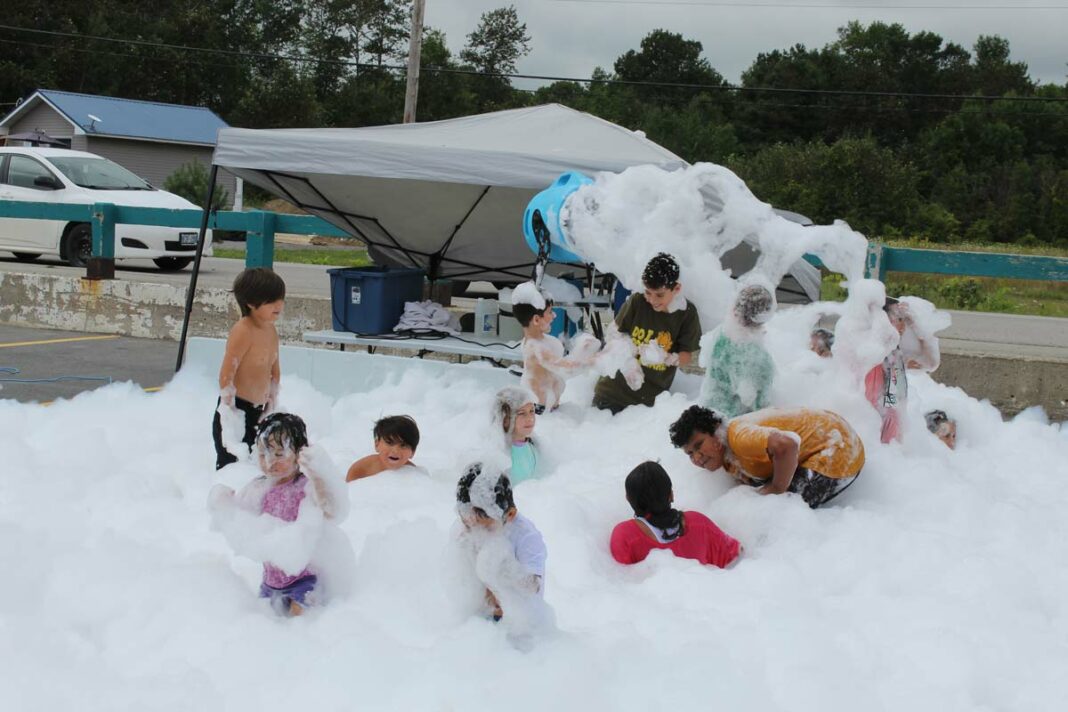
[150,138]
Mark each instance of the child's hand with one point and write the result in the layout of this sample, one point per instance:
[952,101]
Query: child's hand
[227,395]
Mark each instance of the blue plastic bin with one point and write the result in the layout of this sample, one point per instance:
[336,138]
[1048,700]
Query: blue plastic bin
[370,300]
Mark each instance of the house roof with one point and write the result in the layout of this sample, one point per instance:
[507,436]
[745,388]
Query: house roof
[127,118]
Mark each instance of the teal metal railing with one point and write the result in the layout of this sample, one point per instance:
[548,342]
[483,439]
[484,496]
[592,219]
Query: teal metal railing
[260,226]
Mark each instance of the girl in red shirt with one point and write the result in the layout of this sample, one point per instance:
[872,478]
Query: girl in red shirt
[656,525]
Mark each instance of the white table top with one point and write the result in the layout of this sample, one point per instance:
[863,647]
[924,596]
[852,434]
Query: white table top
[493,347]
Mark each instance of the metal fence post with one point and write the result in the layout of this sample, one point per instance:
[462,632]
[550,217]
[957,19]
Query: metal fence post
[259,239]
[102,264]
[875,266]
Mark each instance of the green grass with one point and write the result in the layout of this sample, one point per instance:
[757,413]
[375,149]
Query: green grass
[356,257]
[987,294]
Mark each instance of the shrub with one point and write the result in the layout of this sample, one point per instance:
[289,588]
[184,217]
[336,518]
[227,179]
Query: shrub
[191,182]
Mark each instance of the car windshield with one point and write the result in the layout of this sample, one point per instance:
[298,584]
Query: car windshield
[98,173]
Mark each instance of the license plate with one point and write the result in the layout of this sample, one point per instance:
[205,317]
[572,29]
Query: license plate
[187,239]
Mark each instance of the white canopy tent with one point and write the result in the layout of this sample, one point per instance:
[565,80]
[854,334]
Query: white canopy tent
[447,196]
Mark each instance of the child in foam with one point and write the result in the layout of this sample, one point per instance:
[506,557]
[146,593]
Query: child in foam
[278,518]
[396,438]
[814,453]
[515,413]
[943,427]
[663,326]
[690,535]
[249,373]
[886,385]
[544,364]
[506,549]
[821,341]
[738,369]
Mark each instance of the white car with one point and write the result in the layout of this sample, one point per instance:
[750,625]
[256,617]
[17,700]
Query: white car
[57,175]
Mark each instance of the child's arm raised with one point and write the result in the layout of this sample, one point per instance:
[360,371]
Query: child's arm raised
[237,346]
[327,487]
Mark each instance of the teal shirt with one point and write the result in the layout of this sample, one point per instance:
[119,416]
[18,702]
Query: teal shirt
[524,462]
[738,378]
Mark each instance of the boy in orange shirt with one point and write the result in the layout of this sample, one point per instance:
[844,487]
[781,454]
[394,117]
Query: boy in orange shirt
[814,453]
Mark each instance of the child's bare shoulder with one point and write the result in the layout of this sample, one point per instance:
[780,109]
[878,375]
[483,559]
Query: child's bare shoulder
[364,467]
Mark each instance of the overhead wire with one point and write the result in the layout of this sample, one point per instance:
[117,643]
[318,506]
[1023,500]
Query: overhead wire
[723,87]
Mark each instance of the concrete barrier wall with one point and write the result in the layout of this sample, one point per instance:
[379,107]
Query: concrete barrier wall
[1011,384]
[143,309]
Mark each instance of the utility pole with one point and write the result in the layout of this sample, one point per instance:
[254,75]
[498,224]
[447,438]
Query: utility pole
[415,46]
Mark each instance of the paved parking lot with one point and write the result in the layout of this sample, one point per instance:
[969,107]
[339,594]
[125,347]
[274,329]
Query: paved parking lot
[32,361]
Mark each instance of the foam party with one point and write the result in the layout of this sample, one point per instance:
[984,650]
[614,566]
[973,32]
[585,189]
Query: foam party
[428,543]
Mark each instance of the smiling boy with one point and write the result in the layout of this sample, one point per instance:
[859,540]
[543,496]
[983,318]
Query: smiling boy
[814,453]
[249,374]
[396,438]
[661,321]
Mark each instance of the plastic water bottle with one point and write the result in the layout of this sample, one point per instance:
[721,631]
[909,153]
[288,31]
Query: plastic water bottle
[486,311]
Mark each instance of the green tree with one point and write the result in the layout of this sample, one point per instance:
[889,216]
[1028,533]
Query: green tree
[667,57]
[498,42]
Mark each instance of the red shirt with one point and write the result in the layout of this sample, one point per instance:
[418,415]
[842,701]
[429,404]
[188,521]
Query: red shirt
[701,540]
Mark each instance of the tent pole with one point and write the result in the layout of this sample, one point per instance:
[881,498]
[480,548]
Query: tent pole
[191,291]
[440,254]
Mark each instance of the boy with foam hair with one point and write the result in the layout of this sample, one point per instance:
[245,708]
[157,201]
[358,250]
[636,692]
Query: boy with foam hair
[396,438]
[250,373]
[506,549]
[664,328]
[738,369]
[544,364]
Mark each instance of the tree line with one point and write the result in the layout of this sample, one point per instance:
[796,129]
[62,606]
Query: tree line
[901,134]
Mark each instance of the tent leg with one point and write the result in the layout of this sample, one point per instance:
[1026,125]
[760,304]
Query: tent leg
[191,291]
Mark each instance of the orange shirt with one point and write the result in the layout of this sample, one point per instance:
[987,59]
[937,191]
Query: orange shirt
[828,444]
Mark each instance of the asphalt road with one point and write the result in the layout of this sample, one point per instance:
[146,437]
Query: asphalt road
[81,361]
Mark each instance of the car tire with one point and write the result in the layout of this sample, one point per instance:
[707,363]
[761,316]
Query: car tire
[79,245]
[172,264]
[26,256]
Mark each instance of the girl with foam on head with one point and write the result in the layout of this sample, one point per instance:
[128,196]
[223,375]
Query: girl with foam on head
[279,518]
[515,412]
[656,525]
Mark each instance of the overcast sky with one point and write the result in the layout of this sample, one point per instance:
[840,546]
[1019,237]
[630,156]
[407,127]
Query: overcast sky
[571,37]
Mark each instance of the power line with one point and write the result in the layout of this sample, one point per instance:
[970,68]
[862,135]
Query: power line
[540,77]
[808,6]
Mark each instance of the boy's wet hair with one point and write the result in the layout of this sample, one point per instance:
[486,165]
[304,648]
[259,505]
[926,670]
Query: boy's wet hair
[500,499]
[936,419]
[523,313]
[649,494]
[284,429]
[889,303]
[694,419]
[398,430]
[753,305]
[257,286]
[661,272]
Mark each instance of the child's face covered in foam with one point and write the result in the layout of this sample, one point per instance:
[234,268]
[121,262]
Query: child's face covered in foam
[278,457]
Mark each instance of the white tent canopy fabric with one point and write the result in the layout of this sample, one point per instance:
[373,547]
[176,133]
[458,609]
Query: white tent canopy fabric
[445,196]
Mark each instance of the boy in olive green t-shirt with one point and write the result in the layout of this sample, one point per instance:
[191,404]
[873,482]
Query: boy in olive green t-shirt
[665,333]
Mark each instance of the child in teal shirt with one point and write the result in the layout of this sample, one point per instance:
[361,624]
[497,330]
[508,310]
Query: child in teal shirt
[515,412]
[738,369]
